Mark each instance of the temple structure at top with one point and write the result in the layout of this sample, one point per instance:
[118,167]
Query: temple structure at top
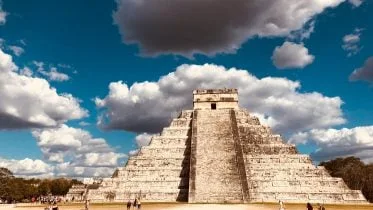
[215,99]
[219,153]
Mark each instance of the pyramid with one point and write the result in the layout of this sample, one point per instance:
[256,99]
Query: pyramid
[219,153]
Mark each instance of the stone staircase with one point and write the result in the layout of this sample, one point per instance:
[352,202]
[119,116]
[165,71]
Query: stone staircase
[159,172]
[216,178]
[275,171]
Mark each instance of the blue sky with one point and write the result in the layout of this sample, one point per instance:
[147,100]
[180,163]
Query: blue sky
[89,42]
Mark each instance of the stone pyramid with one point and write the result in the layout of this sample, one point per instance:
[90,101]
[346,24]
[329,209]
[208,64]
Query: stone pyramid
[219,153]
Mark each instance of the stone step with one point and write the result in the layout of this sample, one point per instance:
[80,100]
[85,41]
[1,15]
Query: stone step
[181,123]
[282,174]
[148,196]
[151,185]
[170,142]
[328,197]
[186,114]
[269,149]
[266,159]
[157,162]
[302,190]
[170,131]
[281,167]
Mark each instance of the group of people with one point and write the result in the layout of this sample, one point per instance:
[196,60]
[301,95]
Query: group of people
[47,199]
[136,204]
[52,206]
[308,206]
[320,207]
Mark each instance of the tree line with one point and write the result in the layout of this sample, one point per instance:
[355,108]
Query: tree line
[16,189]
[355,173]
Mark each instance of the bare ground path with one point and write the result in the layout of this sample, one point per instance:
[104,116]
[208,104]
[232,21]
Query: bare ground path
[193,207]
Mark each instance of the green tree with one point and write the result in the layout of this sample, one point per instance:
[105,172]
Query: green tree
[44,187]
[356,174]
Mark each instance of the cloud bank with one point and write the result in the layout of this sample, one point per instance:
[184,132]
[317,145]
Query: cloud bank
[209,27]
[27,167]
[67,151]
[149,106]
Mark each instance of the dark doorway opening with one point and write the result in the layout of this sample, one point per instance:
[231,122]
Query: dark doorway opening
[213,106]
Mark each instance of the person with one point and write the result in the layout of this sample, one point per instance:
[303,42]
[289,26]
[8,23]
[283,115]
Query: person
[282,207]
[86,204]
[135,204]
[138,204]
[129,204]
[54,206]
[309,206]
[321,207]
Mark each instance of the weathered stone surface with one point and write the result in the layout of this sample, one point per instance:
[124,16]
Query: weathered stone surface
[77,192]
[216,173]
[219,153]
[160,171]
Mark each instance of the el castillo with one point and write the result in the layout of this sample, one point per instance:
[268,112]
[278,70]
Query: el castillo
[220,153]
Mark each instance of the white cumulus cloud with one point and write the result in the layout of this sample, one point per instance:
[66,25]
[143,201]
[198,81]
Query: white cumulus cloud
[291,55]
[351,42]
[83,123]
[16,50]
[27,167]
[77,146]
[356,3]
[142,139]
[28,102]
[53,74]
[3,14]
[149,106]
[333,143]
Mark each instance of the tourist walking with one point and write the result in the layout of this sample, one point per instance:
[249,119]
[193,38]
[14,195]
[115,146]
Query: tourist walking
[129,204]
[86,204]
[282,206]
[138,204]
[54,206]
[135,204]
[321,207]
[309,206]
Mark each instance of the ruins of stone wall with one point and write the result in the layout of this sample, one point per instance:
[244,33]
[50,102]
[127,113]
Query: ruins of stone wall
[77,192]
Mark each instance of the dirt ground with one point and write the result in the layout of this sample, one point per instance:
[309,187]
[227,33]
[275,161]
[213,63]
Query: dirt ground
[193,207]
